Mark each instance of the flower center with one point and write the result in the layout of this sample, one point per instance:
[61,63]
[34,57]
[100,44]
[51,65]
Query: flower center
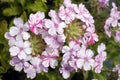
[38,44]
[74,30]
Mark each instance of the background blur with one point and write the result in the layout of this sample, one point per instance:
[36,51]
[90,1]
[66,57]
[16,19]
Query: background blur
[9,9]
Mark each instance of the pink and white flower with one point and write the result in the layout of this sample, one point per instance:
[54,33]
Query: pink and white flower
[100,58]
[86,61]
[117,69]
[83,14]
[49,57]
[21,49]
[113,22]
[36,22]
[67,13]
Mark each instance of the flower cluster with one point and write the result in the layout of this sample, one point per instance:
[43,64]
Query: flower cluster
[35,46]
[18,39]
[24,50]
[80,58]
[117,69]
[112,25]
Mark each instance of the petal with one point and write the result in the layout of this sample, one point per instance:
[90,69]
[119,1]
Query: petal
[67,2]
[18,22]
[41,15]
[49,23]
[81,53]
[26,44]
[80,63]
[14,31]
[101,48]
[19,67]
[14,51]
[72,64]
[67,20]
[53,63]
[26,35]
[11,42]
[35,61]
[28,50]
[86,66]
[65,49]
[7,35]
[114,23]
[14,61]
[22,55]
[52,31]
[91,62]
[66,74]
[62,25]
[76,47]
[19,44]
[71,44]
[45,63]
[89,53]
[19,37]
[60,30]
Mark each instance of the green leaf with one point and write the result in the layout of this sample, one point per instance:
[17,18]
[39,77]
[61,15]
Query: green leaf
[37,6]
[99,76]
[22,2]
[24,16]
[41,77]
[2,70]
[3,26]
[58,3]
[12,11]
[7,0]
[3,29]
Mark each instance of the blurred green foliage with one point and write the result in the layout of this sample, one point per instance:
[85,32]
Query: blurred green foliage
[9,9]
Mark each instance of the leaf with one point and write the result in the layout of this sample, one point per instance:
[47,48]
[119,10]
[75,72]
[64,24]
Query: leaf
[99,76]
[37,6]
[7,0]
[3,26]
[41,77]
[58,3]
[3,29]
[22,2]
[12,11]
[24,16]
[2,70]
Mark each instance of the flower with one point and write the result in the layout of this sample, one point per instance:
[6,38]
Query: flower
[30,71]
[55,41]
[85,59]
[70,54]
[17,63]
[65,70]
[83,14]
[90,32]
[54,28]
[19,31]
[67,13]
[35,22]
[112,23]
[117,69]
[100,58]
[22,49]
[49,57]
[73,47]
